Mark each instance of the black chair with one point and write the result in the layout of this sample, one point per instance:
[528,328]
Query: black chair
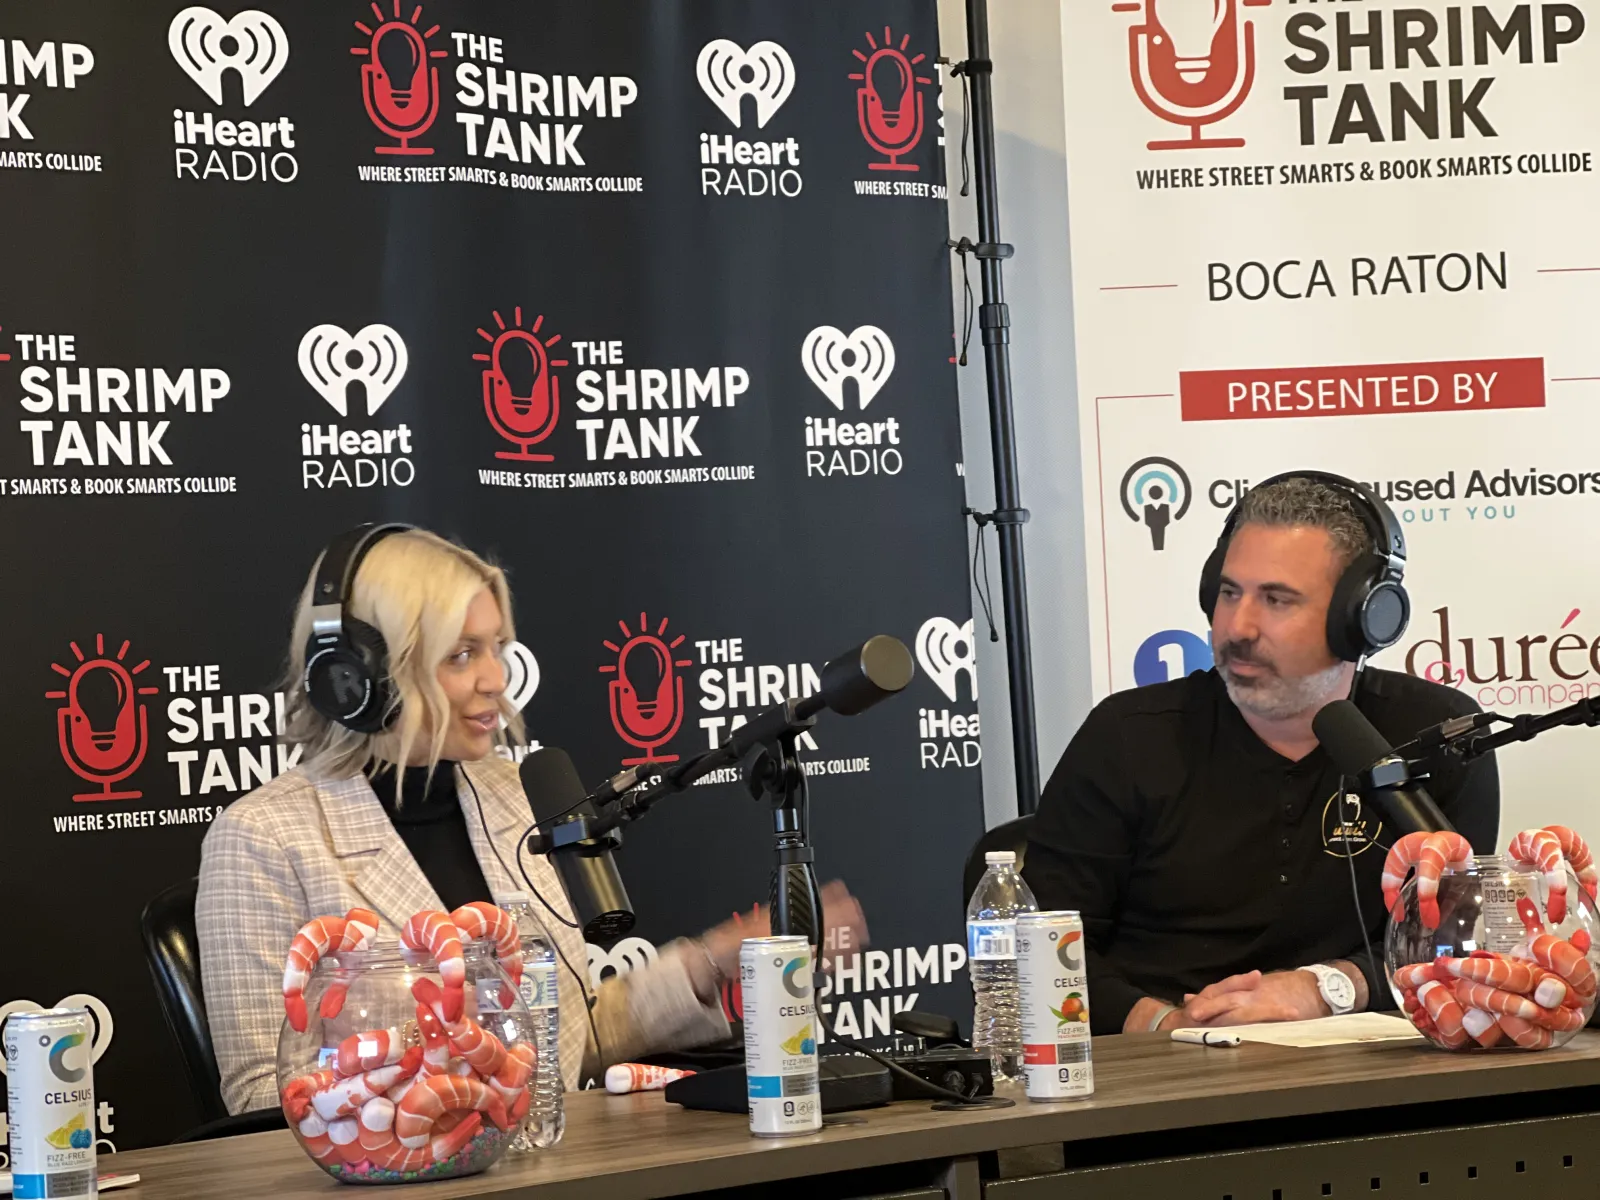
[172,949]
[1013,835]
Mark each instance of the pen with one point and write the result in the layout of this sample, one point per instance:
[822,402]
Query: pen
[1206,1037]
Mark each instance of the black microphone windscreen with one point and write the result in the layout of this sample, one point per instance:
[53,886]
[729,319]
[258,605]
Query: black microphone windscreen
[1348,737]
[873,671]
[551,783]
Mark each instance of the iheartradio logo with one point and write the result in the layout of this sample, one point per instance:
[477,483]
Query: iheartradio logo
[728,73]
[646,693]
[331,360]
[831,356]
[522,676]
[102,726]
[944,651]
[251,43]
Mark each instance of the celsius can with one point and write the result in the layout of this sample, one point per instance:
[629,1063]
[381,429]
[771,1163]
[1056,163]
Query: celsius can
[1054,992]
[780,1036]
[50,1104]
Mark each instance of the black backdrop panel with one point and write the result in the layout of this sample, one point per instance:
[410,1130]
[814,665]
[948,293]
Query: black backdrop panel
[233,320]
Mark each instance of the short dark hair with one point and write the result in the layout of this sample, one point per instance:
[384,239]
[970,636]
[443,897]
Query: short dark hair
[1298,501]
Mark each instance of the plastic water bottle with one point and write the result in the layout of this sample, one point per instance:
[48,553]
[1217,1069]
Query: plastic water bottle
[546,1120]
[992,958]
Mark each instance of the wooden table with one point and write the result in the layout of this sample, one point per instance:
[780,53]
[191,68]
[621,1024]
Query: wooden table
[623,1148]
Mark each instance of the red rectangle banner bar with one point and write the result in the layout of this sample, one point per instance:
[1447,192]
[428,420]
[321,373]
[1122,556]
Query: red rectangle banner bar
[1467,385]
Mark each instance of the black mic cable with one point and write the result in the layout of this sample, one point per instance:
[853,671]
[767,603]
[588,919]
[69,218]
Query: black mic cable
[588,1000]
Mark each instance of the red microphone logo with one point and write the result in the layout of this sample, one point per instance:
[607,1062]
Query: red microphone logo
[400,89]
[1193,63]
[888,104]
[647,693]
[103,728]
[521,398]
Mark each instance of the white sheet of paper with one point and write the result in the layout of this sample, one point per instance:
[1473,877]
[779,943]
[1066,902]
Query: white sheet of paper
[1325,1031]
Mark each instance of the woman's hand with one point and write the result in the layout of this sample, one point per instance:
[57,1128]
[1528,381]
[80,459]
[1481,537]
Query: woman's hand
[844,929]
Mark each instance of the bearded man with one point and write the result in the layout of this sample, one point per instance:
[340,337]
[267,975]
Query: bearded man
[1198,827]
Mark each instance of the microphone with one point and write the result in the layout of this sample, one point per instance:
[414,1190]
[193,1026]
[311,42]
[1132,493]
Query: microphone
[399,88]
[588,872]
[851,683]
[523,418]
[892,132]
[1193,63]
[103,728]
[646,697]
[1360,751]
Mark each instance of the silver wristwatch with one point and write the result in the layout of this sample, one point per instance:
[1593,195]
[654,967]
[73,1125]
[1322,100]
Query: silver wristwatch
[1335,986]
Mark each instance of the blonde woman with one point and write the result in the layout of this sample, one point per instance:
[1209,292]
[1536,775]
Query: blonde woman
[404,633]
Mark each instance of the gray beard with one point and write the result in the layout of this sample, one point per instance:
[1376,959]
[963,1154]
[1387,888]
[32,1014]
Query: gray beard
[1274,698]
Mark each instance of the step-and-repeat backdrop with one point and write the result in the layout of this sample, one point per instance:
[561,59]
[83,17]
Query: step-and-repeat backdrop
[648,300]
[1356,237]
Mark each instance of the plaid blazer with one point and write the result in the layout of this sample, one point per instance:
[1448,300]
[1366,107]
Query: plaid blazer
[300,847]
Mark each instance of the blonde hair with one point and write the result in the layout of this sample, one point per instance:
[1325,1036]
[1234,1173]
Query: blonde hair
[414,588]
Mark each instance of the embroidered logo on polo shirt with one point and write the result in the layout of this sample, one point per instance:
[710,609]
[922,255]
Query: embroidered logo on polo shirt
[1348,829]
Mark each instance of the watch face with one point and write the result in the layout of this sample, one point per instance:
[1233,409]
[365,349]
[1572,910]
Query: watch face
[1341,992]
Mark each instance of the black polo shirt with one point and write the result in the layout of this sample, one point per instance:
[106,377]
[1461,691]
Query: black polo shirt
[1195,851]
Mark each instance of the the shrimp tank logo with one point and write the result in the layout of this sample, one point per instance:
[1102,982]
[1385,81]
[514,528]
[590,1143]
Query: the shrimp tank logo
[102,726]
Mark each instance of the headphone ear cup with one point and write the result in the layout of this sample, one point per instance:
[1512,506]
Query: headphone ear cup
[379,712]
[349,681]
[1385,615]
[1211,578]
[1346,628]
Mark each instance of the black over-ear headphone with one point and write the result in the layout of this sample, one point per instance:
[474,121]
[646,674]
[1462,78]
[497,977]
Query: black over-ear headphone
[347,663]
[1370,608]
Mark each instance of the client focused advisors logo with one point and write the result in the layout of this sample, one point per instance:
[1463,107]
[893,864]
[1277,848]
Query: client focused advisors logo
[889,106]
[730,166]
[345,370]
[1156,492]
[521,394]
[102,726]
[1193,64]
[646,693]
[399,82]
[833,358]
[252,47]
[945,652]
[252,43]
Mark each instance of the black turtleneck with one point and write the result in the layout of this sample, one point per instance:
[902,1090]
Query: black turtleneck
[430,822]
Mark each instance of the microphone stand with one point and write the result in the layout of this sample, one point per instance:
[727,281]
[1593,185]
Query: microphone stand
[765,750]
[1474,743]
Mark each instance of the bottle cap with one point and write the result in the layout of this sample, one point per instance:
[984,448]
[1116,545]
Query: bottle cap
[1001,856]
[514,898]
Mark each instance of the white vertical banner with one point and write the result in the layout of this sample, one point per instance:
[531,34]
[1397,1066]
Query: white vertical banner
[1360,237]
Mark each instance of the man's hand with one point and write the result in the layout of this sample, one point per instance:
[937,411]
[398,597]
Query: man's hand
[1144,1011]
[1254,997]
